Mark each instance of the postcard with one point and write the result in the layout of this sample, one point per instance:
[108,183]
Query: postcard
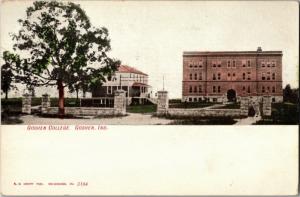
[149,97]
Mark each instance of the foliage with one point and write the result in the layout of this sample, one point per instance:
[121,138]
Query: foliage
[282,113]
[62,48]
[7,72]
[230,106]
[290,95]
[190,105]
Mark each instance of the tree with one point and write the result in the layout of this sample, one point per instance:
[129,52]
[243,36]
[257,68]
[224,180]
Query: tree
[290,95]
[7,74]
[60,44]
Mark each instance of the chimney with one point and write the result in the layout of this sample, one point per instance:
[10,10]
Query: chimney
[259,49]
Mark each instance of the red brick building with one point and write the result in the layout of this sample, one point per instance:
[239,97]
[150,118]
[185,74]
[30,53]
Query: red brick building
[227,75]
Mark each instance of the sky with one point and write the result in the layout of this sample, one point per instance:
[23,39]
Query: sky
[152,35]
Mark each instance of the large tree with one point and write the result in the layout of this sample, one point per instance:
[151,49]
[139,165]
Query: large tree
[7,71]
[58,44]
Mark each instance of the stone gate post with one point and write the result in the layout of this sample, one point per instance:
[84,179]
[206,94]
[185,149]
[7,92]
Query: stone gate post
[45,102]
[26,104]
[120,102]
[267,109]
[162,102]
[244,105]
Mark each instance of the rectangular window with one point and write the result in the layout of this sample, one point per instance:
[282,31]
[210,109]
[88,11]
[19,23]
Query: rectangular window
[244,63]
[214,76]
[248,63]
[195,76]
[273,64]
[273,89]
[263,89]
[228,64]
[244,88]
[191,89]
[195,89]
[214,65]
[191,76]
[249,76]
[273,76]
[268,89]
[248,89]
[268,65]
[263,64]
[219,76]
[200,88]
[219,65]
[268,76]
[214,88]
[191,66]
[200,76]
[219,89]
[233,74]
[233,64]
[244,76]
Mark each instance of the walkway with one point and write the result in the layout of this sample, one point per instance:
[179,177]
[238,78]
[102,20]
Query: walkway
[248,120]
[130,119]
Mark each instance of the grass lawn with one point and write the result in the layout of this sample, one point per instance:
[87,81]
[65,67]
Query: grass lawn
[141,109]
[282,114]
[178,120]
[190,105]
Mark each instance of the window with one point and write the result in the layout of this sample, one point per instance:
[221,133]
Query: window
[214,88]
[249,76]
[273,89]
[244,88]
[191,89]
[195,76]
[263,64]
[273,76]
[228,74]
[273,100]
[191,76]
[263,89]
[219,65]
[248,63]
[248,89]
[244,63]
[195,89]
[219,89]
[195,99]
[228,64]
[200,76]
[268,89]
[214,76]
[233,64]
[268,76]
[233,74]
[195,66]
[244,76]
[214,65]
[200,66]
[191,66]
[263,77]
[190,99]
[219,76]
[268,65]
[273,64]
[200,88]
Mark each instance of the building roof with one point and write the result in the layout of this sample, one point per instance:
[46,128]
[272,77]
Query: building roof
[129,69]
[229,53]
[137,84]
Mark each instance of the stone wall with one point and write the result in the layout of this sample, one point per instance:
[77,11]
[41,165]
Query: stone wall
[199,112]
[120,102]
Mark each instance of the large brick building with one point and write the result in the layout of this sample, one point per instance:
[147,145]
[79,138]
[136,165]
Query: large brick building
[227,75]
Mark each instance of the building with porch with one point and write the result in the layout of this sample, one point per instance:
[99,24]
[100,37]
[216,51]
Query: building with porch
[129,79]
[223,76]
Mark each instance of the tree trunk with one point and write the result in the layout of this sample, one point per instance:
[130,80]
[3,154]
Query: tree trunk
[61,105]
[6,95]
[77,91]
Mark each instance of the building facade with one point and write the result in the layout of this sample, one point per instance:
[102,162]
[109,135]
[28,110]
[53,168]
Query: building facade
[227,75]
[129,79]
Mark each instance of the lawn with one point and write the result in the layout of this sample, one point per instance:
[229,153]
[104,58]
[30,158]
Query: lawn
[190,104]
[282,114]
[141,109]
[230,106]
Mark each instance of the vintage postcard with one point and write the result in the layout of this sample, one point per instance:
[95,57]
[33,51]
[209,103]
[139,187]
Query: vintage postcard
[149,97]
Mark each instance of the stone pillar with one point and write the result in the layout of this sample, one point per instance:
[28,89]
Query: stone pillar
[162,102]
[244,105]
[45,102]
[267,108]
[26,104]
[120,102]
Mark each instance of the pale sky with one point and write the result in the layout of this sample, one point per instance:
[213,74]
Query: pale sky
[151,35]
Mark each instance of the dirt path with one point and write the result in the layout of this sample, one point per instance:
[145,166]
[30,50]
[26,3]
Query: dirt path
[248,120]
[130,119]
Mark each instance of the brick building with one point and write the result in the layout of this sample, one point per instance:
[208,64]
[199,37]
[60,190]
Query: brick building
[227,75]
